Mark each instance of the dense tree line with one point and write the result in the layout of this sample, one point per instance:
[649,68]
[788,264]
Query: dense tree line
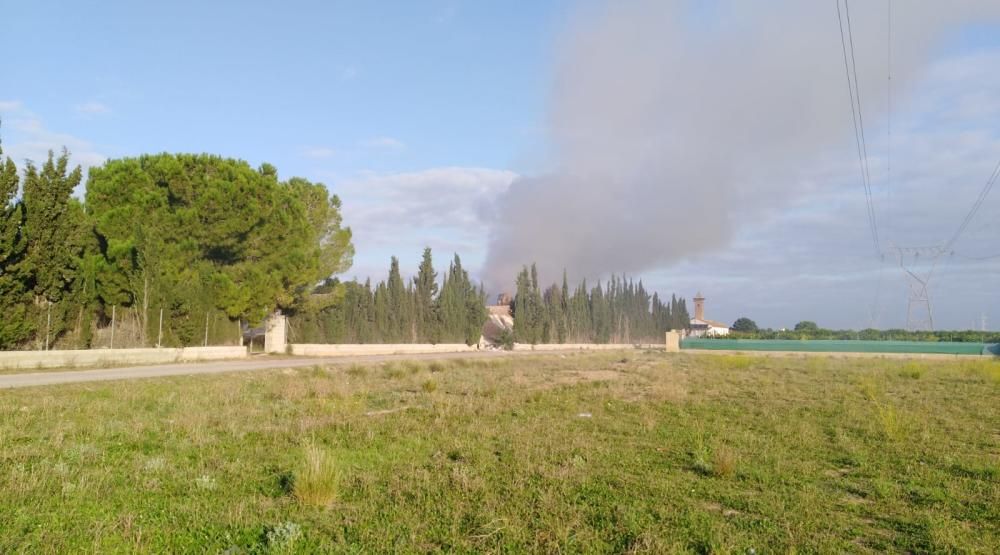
[742,329]
[201,237]
[621,311]
[395,311]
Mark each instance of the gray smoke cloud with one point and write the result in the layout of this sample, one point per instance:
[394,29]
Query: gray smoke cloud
[673,124]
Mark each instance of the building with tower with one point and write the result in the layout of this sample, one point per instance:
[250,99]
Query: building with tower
[703,327]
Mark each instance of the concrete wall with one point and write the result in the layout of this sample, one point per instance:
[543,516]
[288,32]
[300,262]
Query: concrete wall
[114,357]
[572,347]
[332,350]
[344,349]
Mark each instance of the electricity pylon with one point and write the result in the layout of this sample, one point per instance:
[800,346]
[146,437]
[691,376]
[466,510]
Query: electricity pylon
[918,263]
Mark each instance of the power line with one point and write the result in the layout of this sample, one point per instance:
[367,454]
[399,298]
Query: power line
[888,164]
[861,128]
[854,92]
[990,257]
[975,206]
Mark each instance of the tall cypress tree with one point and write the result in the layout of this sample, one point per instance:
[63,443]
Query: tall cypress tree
[397,304]
[55,230]
[425,293]
[521,309]
[49,226]
[15,326]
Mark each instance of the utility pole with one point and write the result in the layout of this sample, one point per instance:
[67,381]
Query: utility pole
[159,333]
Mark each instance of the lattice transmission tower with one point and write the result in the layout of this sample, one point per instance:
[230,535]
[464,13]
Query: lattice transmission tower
[918,264]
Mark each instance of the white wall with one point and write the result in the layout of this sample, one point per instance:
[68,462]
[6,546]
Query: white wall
[114,357]
[572,347]
[326,350]
[343,349]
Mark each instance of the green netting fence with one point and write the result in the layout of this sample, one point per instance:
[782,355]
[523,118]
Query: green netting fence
[842,346]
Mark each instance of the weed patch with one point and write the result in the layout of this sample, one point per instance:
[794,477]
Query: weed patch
[528,454]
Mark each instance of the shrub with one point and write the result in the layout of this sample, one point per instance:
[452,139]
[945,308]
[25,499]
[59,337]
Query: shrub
[283,537]
[429,386]
[506,340]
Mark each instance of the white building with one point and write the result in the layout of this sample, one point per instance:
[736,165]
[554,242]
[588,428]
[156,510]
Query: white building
[703,327]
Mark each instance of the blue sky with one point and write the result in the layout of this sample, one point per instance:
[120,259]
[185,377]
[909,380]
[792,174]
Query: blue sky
[421,115]
[372,86]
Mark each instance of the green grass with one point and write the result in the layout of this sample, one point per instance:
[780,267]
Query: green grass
[596,452]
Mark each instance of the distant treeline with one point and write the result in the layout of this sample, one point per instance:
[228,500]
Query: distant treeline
[198,237]
[393,311]
[621,311]
[207,241]
[968,336]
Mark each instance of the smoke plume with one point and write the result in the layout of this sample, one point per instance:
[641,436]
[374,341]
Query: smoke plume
[672,124]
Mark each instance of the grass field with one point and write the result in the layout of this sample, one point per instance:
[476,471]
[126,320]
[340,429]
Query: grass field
[609,452]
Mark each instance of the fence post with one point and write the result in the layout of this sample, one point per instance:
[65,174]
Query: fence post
[159,333]
[206,329]
[113,311]
[48,325]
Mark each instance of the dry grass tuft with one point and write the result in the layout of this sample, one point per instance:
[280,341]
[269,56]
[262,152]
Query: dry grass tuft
[316,481]
[890,422]
[724,462]
[912,370]
[435,367]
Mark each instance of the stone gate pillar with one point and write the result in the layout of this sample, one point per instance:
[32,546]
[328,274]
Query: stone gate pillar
[673,342]
[274,333]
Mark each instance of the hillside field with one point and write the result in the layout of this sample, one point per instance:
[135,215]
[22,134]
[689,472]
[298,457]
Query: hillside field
[630,451]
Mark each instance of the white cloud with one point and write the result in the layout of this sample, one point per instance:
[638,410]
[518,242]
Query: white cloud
[10,105]
[387,143]
[400,213]
[29,139]
[92,108]
[319,152]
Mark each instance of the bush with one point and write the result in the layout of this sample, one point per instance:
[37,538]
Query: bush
[506,340]
[745,325]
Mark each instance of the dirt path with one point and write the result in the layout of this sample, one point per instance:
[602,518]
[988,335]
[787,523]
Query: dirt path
[8,381]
